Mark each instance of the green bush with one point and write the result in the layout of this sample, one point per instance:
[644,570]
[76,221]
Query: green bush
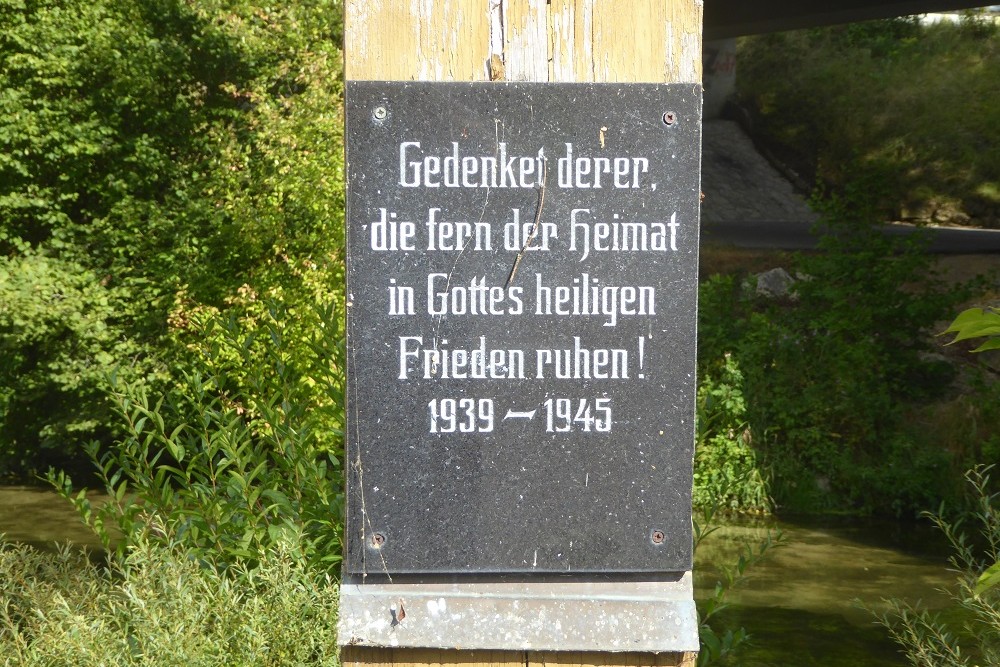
[829,369]
[157,606]
[159,161]
[229,469]
[288,336]
[721,644]
[59,333]
[726,472]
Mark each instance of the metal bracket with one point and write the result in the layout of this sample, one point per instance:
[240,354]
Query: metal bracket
[650,616]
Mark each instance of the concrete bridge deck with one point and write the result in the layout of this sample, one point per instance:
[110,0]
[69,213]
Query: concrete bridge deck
[732,18]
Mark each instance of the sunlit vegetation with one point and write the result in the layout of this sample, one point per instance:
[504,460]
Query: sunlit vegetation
[915,106]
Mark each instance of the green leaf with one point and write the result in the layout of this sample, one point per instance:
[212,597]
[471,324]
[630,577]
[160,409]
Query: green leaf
[974,323]
[277,498]
[176,450]
[964,319]
[978,330]
[710,641]
[992,344]
[988,579]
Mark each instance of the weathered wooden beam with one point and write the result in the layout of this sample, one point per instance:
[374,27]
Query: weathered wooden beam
[557,41]
[634,41]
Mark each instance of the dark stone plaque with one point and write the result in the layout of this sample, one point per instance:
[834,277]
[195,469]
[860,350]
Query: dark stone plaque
[522,285]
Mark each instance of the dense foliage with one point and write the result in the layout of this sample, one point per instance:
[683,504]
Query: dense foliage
[171,274]
[917,106]
[830,371]
[161,163]
[223,521]
[227,476]
[842,387]
[159,607]
[727,474]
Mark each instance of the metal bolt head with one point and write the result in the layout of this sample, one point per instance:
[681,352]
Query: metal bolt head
[378,539]
[658,537]
[379,113]
[669,118]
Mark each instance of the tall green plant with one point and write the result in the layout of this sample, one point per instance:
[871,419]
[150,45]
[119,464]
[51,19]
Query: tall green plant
[720,644]
[927,639]
[226,470]
[726,471]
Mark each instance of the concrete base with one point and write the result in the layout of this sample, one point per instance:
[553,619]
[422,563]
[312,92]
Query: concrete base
[552,615]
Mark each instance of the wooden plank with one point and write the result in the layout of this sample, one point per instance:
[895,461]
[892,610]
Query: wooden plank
[576,659]
[634,41]
[442,40]
[358,656]
[621,41]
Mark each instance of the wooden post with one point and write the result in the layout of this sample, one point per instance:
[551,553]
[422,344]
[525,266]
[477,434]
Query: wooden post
[598,41]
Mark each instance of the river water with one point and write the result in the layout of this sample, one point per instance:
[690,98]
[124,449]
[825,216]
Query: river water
[40,517]
[804,604]
[801,605]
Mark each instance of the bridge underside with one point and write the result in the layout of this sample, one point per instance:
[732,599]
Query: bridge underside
[732,18]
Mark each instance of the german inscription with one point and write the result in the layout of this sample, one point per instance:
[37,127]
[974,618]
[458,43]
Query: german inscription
[522,280]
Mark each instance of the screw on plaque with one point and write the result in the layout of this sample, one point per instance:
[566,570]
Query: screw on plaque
[669,118]
[658,537]
[378,539]
[380,113]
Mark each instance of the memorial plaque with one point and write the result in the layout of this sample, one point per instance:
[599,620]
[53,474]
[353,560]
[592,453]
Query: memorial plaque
[522,286]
